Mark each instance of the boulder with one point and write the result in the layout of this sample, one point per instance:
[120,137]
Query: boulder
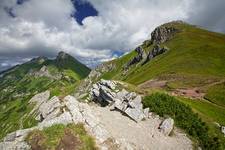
[167,126]
[126,102]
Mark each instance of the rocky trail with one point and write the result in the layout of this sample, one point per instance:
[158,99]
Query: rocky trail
[144,135]
[121,123]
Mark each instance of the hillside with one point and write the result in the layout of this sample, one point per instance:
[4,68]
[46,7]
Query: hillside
[180,59]
[193,54]
[167,93]
[20,83]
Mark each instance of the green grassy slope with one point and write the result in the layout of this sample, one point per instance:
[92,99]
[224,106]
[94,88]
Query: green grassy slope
[195,54]
[17,86]
[196,59]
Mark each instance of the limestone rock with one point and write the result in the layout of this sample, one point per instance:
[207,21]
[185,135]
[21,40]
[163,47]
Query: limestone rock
[40,98]
[64,118]
[162,34]
[167,126]
[129,103]
[157,50]
[136,59]
[50,109]
[14,146]
[73,106]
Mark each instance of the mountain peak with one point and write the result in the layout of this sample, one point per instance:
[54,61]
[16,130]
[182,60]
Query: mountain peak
[63,55]
[39,59]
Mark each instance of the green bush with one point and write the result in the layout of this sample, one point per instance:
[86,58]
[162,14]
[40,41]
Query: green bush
[185,118]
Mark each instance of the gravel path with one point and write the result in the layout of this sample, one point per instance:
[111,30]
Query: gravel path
[144,135]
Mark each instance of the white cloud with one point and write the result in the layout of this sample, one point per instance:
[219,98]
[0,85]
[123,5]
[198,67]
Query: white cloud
[45,27]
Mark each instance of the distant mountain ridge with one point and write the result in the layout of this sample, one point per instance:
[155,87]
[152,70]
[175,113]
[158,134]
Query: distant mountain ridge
[19,83]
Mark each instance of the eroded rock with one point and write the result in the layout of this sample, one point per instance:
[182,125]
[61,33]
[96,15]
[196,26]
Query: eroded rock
[162,34]
[157,50]
[136,59]
[167,126]
[104,92]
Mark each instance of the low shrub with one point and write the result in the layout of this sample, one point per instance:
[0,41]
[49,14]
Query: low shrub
[185,118]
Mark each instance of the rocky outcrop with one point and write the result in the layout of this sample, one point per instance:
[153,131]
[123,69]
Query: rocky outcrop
[136,59]
[106,93]
[86,84]
[167,126]
[43,72]
[157,50]
[54,111]
[162,34]
[142,57]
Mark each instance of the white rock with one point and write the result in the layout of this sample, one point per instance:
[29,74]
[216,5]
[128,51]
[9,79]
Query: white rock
[50,106]
[40,98]
[73,105]
[135,114]
[167,126]
[14,146]
[64,118]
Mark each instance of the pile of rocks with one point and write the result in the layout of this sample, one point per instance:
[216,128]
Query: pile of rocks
[54,111]
[106,93]
[95,74]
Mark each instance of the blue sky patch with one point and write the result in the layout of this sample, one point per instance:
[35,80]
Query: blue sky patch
[83,9]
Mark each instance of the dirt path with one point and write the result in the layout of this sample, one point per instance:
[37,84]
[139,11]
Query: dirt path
[194,93]
[144,135]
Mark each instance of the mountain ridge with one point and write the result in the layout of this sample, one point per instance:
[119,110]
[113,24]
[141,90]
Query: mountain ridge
[181,67]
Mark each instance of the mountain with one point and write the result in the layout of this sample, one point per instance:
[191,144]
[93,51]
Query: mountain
[169,93]
[20,83]
[194,54]
[180,59]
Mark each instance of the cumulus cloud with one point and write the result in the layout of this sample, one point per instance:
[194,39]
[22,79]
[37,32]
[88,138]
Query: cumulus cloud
[40,27]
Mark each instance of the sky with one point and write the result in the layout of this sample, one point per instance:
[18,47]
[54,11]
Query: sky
[93,31]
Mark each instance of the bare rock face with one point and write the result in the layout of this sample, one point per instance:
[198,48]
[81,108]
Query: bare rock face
[167,126]
[157,50]
[162,34]
[136,59]
[105,93]
[50,109]
[43,72]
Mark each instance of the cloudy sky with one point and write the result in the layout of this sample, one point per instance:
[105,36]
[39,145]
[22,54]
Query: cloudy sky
[93,31]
